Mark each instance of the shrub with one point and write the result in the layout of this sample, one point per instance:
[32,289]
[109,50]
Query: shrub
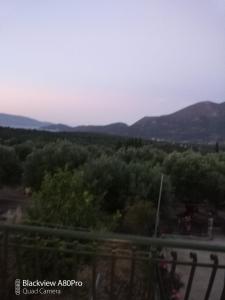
[140,218]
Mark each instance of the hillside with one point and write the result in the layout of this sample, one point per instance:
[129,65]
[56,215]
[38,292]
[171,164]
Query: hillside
[7,120]
[200,122]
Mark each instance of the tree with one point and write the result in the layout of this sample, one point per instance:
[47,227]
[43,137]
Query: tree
[217,147]
[51,158]
[196,178]
[10,167]
[63,199]
[107,179]
[23,150]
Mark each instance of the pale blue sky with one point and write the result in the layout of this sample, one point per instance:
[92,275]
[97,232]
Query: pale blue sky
[85,61]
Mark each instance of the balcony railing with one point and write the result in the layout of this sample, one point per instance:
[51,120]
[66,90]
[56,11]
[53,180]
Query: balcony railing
[110,266]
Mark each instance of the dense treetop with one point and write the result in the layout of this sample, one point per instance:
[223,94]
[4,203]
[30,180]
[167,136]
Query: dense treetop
[98,181]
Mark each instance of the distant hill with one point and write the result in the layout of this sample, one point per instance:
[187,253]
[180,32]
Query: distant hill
[200,122]
[114,129]
[14,121]
[58,128]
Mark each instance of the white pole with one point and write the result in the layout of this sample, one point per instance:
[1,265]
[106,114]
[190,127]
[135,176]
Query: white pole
[158,207]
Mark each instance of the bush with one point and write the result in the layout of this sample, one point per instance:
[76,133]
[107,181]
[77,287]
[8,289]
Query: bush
[140,218]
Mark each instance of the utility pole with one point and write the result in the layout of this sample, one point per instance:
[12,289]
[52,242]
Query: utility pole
[158,207]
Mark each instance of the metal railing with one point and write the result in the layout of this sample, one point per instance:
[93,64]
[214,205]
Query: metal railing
[110,266]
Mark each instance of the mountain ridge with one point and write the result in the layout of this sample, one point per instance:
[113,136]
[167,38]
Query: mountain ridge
[17,121]
[200,122]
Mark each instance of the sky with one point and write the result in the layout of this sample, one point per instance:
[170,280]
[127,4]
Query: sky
[104,61]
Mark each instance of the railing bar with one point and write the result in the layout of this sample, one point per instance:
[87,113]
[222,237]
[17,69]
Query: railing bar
[111,237]
[4,264]
[223,292]
[56,270]
[152,278]
[18,259]
[174,263]
[37,264]
[112,275]
[162,288]
[75,268]
[131,282]
[179,263]
[94,280]
[203,265]
[212,276]
[191,276]
[105,254]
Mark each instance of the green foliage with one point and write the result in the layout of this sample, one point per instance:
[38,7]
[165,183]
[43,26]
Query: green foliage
[10,167]
[50,158]
[140,218]
[107,178]
[23,150]
[63,200]
[143,154]
[110,173]
[196,178]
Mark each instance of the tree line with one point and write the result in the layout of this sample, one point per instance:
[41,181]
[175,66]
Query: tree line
[109,184]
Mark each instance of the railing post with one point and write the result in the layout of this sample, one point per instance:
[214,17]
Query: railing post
[223,292]
[112,275]
[18,256]
[152,289]
[55,266]
[174,263]
[4,264]
[37,261]
[94,280]
[191,276]
[213,274]
[75,267]
[162,288]
[131,282]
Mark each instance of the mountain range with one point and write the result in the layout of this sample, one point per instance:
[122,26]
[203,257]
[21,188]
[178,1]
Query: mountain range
[13,121]
[200,122]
